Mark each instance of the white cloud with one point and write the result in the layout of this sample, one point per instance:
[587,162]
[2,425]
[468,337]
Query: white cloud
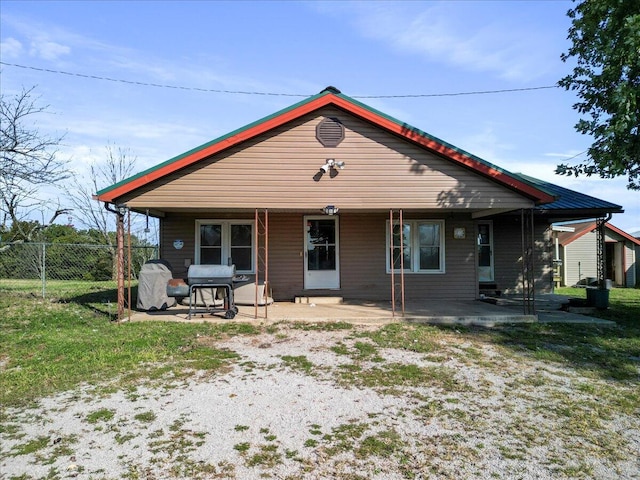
[11,48]
[450,33]
[565,155]
[48,50]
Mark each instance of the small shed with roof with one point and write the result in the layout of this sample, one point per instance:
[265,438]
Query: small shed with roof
[579,255]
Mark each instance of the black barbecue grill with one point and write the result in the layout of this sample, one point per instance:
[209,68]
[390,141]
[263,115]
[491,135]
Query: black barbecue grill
[213,277]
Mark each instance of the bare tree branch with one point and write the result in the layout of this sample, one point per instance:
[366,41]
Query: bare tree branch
[118,164]
[27,161]
[25,153]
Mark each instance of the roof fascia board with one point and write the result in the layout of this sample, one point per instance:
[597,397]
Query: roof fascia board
[622,233]
[589,227]
[592,226]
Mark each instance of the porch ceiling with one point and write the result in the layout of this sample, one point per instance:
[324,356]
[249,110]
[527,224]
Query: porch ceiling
[474,213]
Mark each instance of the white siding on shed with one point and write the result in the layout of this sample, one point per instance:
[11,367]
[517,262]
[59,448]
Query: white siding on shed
[580,259]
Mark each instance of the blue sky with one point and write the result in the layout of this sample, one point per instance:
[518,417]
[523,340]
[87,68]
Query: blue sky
[297,48]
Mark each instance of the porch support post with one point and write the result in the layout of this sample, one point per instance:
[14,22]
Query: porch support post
[393,280]
[527,235]
[402,261]
[128,265]
[120,263]
[261,258]
[120,211]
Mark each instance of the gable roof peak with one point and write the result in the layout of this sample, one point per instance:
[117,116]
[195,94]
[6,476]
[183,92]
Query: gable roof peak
[329,96]
[331,89]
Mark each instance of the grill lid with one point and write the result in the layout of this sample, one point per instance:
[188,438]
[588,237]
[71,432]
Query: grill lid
[211,274]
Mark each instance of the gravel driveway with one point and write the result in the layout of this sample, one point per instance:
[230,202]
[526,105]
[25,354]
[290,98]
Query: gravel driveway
[315,404]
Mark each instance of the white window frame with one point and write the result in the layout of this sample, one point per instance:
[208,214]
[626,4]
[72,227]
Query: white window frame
[414,242]
[226,239]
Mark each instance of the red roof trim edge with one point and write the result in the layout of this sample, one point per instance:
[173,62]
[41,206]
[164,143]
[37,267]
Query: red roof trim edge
[591,227]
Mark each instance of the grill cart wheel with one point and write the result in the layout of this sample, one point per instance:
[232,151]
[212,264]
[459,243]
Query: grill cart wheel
[230,314]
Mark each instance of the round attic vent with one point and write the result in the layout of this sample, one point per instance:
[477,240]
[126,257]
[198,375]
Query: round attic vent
[330,132]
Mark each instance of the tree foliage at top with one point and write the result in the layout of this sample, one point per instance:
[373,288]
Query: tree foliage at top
[606,78]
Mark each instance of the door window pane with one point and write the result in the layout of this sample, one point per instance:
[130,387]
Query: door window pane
[241,258]
[211,235]
[483,234]
[322,258]
[227,242]
[322,232]
[211,256]
[321,245]
[211,244]
[241,237]
[484,256]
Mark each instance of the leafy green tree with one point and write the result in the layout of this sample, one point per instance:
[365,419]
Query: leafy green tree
[606,78]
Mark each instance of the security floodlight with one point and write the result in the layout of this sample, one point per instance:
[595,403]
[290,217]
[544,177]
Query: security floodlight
[331,164]
[330,210]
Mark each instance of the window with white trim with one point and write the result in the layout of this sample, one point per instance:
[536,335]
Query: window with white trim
[418,247]
[225,242]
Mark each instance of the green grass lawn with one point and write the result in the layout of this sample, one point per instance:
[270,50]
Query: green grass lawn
[48,346]
[52,345]
[603,351]
[624,304]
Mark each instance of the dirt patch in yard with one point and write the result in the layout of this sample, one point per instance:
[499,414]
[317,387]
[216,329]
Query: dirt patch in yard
[352,403]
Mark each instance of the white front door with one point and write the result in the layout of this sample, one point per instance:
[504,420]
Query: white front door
[321,266]
[485,252]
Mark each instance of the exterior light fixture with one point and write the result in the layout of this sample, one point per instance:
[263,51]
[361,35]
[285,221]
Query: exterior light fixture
[330,210]
[331,164]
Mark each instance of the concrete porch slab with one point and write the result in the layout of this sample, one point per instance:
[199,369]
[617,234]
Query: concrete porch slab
[356,311]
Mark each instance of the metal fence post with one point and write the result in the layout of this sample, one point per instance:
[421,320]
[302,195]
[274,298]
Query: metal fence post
[44,270]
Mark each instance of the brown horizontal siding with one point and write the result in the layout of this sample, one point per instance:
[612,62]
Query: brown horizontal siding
[183,227]
[362,257]
[277,170]
[507,247]
[286,245]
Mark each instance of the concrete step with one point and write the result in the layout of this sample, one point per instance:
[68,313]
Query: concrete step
[321,300]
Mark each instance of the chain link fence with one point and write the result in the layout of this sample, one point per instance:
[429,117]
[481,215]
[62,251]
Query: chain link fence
[36,267]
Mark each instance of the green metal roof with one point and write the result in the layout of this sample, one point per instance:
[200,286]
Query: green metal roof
[569,199]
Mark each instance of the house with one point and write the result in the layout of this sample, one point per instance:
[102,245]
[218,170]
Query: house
[578,253]
[313,196]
